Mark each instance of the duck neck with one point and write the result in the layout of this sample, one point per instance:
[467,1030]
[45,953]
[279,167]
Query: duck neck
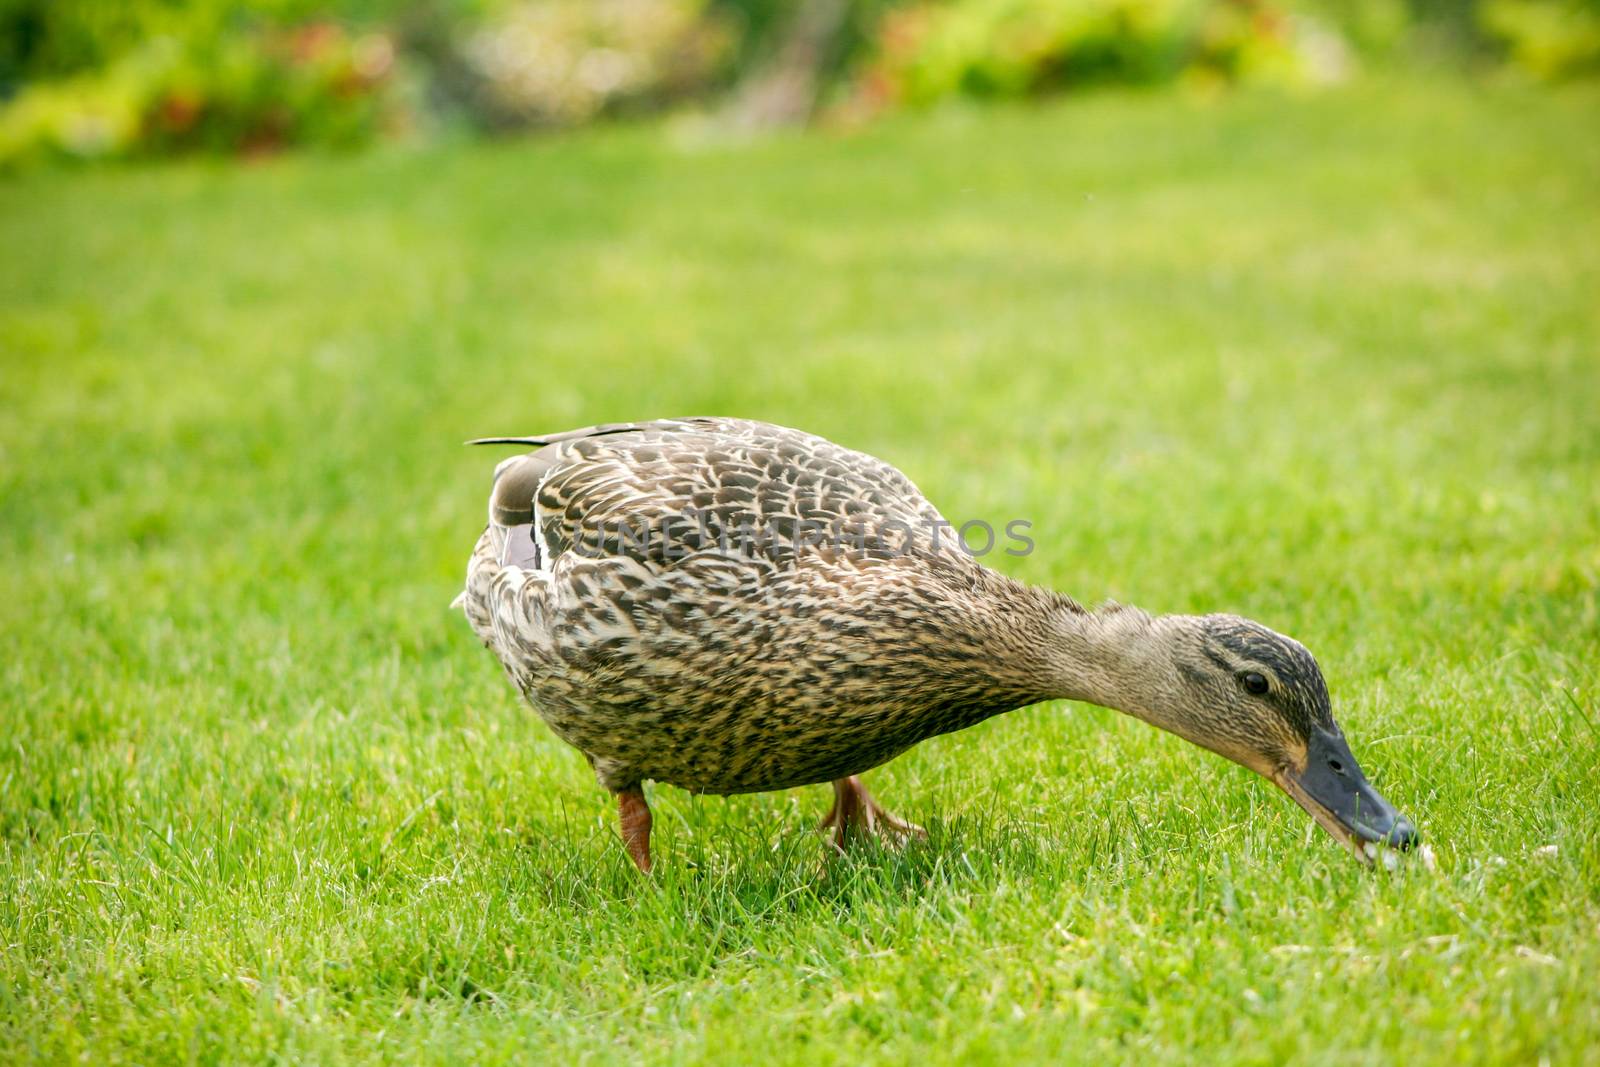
[1118,657]
[1115,657]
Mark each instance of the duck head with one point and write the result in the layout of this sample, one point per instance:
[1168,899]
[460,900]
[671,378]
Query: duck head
[1255,696]
[1259,698]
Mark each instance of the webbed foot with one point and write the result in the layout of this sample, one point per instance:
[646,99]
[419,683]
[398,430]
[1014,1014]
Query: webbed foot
[855,813]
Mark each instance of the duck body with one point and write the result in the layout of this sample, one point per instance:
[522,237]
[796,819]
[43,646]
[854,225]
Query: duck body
[730,606]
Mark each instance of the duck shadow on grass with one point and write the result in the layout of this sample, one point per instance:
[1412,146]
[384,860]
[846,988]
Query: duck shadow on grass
[729,890]
[787,866]
[735,886]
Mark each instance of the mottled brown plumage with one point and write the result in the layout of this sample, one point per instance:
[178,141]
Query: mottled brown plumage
[731,606]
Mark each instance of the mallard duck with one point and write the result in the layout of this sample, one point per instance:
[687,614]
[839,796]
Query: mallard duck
[731,606]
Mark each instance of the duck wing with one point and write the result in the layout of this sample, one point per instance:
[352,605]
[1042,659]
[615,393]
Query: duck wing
[662,491]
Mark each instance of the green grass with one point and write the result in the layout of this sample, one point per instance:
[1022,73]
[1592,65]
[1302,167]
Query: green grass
[1331,362]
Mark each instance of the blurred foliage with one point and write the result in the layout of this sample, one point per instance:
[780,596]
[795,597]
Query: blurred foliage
[1025,47]
[92,79]
[1547,38]
[558,62]
[55,39]
[1375,30]
[253,91]
[759,26]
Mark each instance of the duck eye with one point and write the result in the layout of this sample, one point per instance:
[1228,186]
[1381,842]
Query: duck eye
[1253,683]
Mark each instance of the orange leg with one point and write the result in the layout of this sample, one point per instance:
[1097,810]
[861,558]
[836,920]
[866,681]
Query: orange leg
[634,815]
[854,811]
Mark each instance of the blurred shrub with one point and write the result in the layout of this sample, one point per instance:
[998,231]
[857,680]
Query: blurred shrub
[243,92]
[86,79]
[761,29]
[1005,48]
[560,62]
[1028,47]
[1547,38]
[1377,30]
[56,39]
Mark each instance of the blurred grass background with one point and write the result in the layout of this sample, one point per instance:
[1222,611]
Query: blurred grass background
[1328,361]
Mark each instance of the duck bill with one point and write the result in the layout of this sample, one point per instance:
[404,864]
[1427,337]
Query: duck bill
[1338,796]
